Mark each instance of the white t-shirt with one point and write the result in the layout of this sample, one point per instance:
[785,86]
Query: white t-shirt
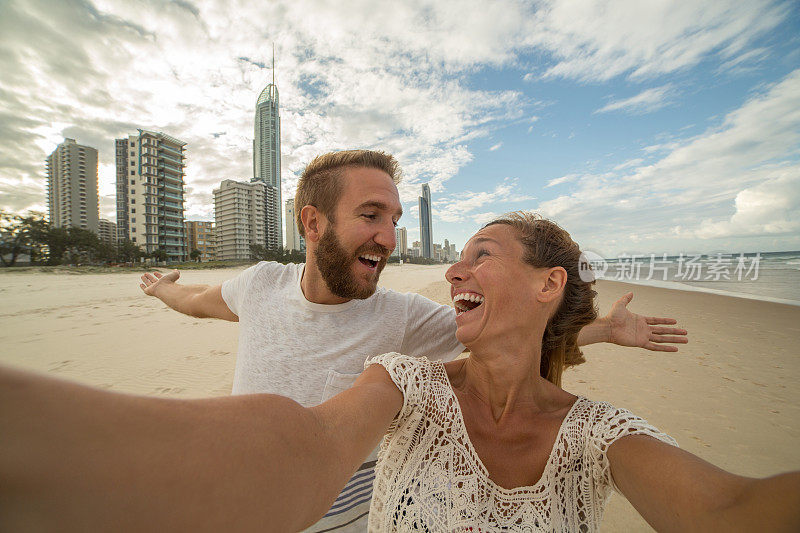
[310,352]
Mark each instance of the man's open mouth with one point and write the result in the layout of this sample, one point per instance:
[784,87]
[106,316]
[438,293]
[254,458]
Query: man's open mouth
[369,260]
[466,301]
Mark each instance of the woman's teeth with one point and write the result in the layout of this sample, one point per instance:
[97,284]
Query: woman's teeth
[466,302]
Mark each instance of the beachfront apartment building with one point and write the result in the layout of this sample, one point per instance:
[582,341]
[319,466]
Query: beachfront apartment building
[72,198]
[200,237]
[401,237]
[239,212]
[426,221]
[294,241]
[107,231]
[437,252]
[150,193]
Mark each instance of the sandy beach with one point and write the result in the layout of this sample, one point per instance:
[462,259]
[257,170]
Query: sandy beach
[731,396]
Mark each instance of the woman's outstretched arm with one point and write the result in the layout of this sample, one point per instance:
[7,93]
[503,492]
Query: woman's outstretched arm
[73,458]
[677,491]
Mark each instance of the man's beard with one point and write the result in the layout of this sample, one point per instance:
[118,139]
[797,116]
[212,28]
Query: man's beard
[336,266]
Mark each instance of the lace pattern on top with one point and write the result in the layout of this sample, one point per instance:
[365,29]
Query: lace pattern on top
[429,477]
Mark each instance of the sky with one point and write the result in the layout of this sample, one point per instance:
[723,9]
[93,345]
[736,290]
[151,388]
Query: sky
[640,127]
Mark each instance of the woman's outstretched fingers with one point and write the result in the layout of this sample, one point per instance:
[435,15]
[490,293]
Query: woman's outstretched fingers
[660,347]
[653,320]
[668,331]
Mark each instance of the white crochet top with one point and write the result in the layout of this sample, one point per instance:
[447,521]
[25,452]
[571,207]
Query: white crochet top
[430,478]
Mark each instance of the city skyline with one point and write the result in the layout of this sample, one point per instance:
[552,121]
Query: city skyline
[639,128]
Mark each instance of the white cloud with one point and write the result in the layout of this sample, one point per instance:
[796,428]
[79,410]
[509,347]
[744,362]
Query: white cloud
[768,208]
[744,62]
[628,164]
[740,178]
[461,206]
[600,40]
[646,101]
[495,147]
[563,179]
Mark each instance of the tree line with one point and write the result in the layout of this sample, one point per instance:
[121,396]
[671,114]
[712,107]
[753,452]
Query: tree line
[32,235]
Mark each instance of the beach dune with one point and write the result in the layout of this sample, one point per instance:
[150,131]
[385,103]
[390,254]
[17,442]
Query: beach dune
[731,396]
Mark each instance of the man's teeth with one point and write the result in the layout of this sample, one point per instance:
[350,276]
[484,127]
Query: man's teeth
[371,257]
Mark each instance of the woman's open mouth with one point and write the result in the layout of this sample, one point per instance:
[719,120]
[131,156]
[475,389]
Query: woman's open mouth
[465,302]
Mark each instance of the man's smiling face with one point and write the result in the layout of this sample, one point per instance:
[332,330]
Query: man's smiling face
[355,246]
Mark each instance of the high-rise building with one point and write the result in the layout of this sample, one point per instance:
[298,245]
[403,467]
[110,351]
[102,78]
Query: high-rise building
[401,236]
[426,222]
[267,158]
[72,186]
[416,249]
[294,241]
[150,196]
[453,253]
[200,237]
[239,212]
[107,231]
[437,252]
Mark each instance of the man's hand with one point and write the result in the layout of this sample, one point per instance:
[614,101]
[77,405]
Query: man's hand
[150,282]
[201,301]
[629,329]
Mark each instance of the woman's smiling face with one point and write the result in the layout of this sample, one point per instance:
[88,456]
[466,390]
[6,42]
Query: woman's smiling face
[493,289]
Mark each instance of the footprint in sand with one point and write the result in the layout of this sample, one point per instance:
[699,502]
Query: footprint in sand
[218,352]
[701,441]
[61,365]
[169,390]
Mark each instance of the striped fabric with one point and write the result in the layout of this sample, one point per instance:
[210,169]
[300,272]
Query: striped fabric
[349,512]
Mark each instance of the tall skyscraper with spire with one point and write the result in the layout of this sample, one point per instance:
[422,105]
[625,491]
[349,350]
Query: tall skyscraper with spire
[426,222]
[267,158]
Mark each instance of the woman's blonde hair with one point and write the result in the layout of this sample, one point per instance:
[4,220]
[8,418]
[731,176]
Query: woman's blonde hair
[548,245]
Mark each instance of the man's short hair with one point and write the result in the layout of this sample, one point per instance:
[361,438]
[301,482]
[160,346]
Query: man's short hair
[320,184]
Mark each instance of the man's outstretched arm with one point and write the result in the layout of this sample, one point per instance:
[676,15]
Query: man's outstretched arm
[201,301]
[621,326]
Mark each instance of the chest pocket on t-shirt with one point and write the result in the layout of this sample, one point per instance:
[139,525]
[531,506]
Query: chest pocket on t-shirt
[336,383]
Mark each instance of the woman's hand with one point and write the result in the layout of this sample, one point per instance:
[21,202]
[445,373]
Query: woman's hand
[629,329]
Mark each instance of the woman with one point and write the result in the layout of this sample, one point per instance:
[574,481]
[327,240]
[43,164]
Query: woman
[483,444]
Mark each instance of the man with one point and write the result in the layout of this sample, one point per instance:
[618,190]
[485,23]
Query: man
[305,330]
